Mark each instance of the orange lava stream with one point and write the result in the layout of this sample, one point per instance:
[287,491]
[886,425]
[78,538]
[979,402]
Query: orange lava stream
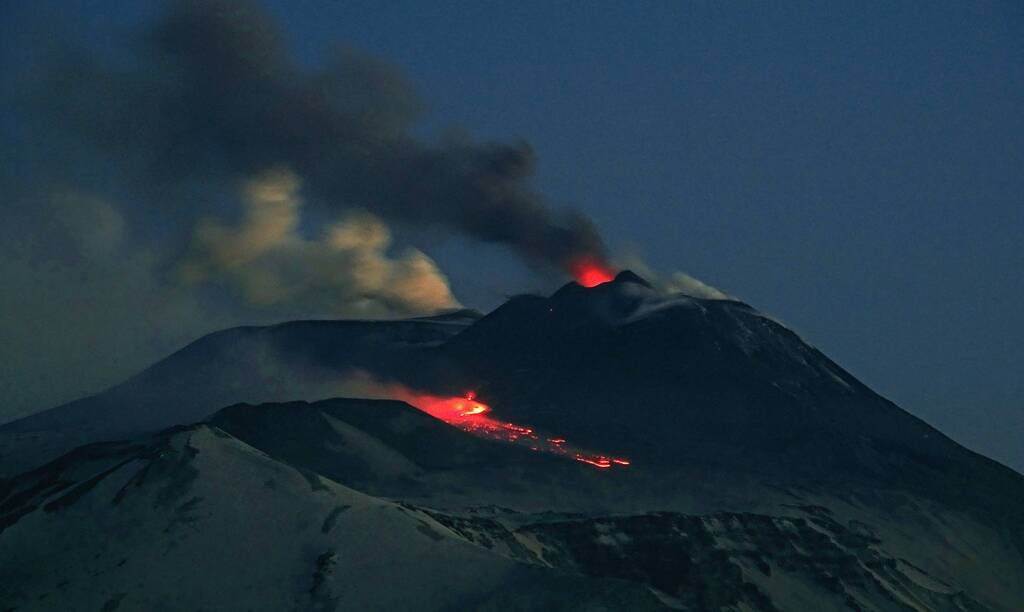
[470,415]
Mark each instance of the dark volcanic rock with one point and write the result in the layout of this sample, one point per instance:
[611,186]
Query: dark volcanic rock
[763,475]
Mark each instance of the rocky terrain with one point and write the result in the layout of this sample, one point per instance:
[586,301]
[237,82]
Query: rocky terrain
[245,473]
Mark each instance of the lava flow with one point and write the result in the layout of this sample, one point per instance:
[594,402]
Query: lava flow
[591,271]
[471,415]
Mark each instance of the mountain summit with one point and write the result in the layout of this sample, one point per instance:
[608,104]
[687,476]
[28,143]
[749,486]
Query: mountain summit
[760,474]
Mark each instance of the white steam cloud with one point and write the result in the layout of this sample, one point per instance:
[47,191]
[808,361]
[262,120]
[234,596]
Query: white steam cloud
[346,270]
[675,282]
[681,282]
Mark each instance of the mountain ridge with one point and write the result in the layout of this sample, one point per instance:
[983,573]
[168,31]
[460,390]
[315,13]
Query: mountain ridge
[761,472]
[177,492]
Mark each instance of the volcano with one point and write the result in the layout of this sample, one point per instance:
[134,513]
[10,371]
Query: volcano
[591,272]
[623,448]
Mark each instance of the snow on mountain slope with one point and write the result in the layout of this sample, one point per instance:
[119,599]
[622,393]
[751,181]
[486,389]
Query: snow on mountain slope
[921,547]
[194,519]
[736,430]
[723,561]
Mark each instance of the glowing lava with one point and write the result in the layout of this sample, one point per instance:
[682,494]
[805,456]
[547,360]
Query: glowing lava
[591,272]
[451,410]
[471,416]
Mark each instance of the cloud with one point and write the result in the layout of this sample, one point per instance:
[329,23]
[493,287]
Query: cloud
[155,194]
[84,306]
[674,282]
[346,270]
[94,225]
[82,310]
[681,282]
[214,95]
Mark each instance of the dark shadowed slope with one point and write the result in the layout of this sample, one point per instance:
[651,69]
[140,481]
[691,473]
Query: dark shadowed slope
[194,519]
[163,522]
[719,408]
[299,360]
[676,380]
[621,368]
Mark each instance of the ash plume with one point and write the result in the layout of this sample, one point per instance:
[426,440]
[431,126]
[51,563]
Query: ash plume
[213,94]
[194,170]
[267,262]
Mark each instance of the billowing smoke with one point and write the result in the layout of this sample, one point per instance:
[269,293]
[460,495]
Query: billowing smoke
[214,94]
[267,261]
[673,282]
[191,175]
[681,282]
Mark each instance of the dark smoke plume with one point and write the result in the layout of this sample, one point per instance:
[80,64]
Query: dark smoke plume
[215,95]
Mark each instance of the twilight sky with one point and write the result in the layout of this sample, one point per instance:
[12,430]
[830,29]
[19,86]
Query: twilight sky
[854,169]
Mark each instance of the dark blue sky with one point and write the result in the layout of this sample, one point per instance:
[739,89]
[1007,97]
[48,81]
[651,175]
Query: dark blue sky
[852,168]
[855,169]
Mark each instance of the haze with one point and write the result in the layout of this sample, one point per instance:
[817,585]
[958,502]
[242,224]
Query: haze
[852,169]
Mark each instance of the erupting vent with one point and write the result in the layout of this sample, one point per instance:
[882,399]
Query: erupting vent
[471,415]
[591,272]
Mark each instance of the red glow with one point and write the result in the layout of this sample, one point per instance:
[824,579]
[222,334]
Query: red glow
[472,416]
[448,409]
[601,462]
[591,271]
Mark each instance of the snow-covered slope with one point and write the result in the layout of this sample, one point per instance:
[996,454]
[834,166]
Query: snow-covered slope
[194,519]
[761,474]
[889,544]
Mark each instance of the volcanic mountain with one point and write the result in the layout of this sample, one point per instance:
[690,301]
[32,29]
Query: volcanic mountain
[622,448]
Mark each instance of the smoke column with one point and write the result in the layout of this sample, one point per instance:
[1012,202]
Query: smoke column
[213,95]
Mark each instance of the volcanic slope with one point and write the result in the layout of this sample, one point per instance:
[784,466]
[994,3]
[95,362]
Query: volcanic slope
[910,542]
[676,381]
[196,518]
[290,361]
[735,429]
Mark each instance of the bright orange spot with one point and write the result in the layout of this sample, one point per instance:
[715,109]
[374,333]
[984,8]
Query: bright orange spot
[447,409]
[471,416]
[596,461]
[591,271]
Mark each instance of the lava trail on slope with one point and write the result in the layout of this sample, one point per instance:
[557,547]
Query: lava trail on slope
[472,416]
